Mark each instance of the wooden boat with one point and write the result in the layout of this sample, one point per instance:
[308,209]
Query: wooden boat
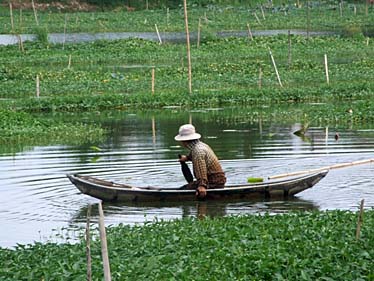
[110,191]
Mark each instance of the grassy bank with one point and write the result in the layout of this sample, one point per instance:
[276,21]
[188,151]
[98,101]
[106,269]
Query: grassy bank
[296,246]
[318,15]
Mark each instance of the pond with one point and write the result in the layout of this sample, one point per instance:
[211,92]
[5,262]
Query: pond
[37,200]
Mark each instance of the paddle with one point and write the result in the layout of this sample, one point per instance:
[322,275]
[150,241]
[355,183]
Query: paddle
[185,170]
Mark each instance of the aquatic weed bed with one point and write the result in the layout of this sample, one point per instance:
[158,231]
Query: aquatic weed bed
[103,69]
[295,246]
[261,15]
[18,129]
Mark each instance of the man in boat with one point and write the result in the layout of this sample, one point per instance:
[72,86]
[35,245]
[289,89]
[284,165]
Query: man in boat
[206,166]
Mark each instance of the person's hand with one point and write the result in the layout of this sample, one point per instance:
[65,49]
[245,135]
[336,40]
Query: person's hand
[201,192]
[183,158]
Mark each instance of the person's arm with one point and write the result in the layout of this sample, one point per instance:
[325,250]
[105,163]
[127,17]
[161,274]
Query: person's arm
[201,174]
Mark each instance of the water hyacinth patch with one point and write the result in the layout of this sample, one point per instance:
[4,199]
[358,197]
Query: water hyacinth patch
[295,246]
[20,129]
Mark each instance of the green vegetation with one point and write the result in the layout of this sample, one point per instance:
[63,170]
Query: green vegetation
[226,15]
[117,74]
[106,75]
[19,129]
[295,246]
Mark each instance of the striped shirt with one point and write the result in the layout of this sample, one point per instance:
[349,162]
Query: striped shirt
[206,167]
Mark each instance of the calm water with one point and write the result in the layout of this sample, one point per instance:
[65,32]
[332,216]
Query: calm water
[37,200]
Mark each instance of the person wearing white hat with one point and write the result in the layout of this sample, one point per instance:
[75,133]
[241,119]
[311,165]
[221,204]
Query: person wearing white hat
[206,166]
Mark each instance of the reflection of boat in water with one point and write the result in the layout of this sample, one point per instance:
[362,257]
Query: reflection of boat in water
[110,191]
[139,212]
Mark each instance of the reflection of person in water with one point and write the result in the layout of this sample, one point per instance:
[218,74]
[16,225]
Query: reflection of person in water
[205,209]
[206,166]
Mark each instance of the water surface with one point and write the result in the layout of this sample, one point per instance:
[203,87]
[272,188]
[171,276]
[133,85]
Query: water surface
[37,200]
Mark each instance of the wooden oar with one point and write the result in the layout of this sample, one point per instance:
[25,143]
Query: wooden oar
[336,166]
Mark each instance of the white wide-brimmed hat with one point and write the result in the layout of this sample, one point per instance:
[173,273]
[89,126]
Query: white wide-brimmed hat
[187,132]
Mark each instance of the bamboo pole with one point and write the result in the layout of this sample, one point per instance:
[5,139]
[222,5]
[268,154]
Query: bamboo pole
[104,246]
[360,219]
[308,20]
[20,43]
[11,16]
[153,80]
[146,5]
[258,20]
[153,130]
[167,16]
[263,13]
[260,78]
[336,166]
[69,62]
[20,19]
[341,9]
[188,47]
[37,86]
[354,9]
[198,33]
[35,13]
[158,34]
[88,245]
[250,35]
[326,70]
[275,68]
[326,134]
[367,41]
[289,49]
[367,8]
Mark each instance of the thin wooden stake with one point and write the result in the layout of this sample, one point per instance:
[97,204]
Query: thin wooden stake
[258,20]
[167,16]
[367,8]
[263,13]
[326,134]
[20,43]
[11,16]
[289,49]
[354,9]
[104,246]
[153,130]
[158,34]
[367,41]
[146,5]
[308,20]
[327,70]
[250,35]
[35,13]
[336,166]
[20,19]
[153,81]
[188,47]
[360,219]
[275,68]
[88,245]
[37,86]
[260,78]
[198,33]
[341,9]
[69,62]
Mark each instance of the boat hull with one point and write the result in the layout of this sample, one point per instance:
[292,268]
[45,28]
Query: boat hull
[109,191]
